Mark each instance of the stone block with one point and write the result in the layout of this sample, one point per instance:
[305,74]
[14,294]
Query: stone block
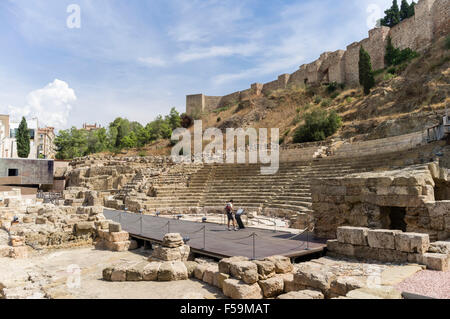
[342,285]
[382,292]
[382,238]
[266,269]
[237,289]
[41,220]
[136,272]
[221,278]
[314,276]
[28,220]
[172,240]
[440,247]
[439,262]
[114,227]
[210,275]
[289,283]
[224,264]
[283,264]
[352,235]
[172,271]
[118,236]
[150,271]
[190,266]
[118,246]
[119,273]
[19,252]
[272,287]
[107,272]
[17,241]
[172,254]
[303,294]
[84,228]
[247,271]
[412,242]
[340,248]
[199,271]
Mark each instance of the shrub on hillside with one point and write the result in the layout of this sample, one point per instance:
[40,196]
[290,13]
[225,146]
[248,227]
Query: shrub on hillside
[447,42]
[334,95]
[333,86]
[318,99]
[319,125]
[326,103]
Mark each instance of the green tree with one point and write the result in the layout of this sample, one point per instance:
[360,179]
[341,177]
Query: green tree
[404,10]
[318,126]
[391,52]
[366,76]
[159,129]
[130,140]
[412,9]
[174,119]
[23,139]
[392,16]
[72,143]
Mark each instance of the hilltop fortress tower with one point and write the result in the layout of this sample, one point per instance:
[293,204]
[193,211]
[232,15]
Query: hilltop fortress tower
[431,21]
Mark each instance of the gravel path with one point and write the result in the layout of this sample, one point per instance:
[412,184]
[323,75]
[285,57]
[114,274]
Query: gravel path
[435,284]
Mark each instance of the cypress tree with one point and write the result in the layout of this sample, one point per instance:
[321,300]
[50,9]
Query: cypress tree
[391,52]
[404,10]
[366,77]
[392,17]
[23,139]
[412,9]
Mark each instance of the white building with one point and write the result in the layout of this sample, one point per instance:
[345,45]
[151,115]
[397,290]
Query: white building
[8,142]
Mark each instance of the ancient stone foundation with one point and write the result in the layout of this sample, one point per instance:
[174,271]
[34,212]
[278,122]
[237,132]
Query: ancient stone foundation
[393,246]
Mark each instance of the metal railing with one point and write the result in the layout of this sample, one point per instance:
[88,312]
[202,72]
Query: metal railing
[140,227]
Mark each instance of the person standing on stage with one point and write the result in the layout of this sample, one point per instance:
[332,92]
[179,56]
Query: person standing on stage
[230,215]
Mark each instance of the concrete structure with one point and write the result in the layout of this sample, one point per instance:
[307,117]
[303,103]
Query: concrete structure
[431,20]
[26,172]
[46,142]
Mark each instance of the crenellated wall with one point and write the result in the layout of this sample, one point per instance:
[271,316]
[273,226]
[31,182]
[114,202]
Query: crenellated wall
[431,20]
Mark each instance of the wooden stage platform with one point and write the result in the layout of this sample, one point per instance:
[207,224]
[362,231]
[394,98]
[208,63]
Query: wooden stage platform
[216,241]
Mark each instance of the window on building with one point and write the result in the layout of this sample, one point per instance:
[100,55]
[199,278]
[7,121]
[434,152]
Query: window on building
[13,172]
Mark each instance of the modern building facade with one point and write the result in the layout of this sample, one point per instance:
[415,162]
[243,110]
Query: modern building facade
[46,143]
[41,140]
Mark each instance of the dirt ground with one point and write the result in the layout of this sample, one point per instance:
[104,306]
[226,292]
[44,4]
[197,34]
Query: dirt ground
[77,274]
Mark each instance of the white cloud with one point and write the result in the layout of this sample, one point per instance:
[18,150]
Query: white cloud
[217,51]
[51,105]
[153,61]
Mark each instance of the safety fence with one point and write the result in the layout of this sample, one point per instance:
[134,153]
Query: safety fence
[147,226]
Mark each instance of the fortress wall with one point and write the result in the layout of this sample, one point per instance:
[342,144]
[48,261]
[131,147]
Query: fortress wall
[211,102]
[299,154]
[195,104]
[431,19]
[245,95]
[351,59]
[440,14]
[230,99]
[404,34]
[375,46]
[283,81]
[298,77]
[386,145]
[269,87]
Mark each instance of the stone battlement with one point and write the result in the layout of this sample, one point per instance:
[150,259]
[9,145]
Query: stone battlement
[431,20]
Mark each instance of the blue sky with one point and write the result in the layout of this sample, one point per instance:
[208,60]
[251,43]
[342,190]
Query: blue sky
[139,58]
